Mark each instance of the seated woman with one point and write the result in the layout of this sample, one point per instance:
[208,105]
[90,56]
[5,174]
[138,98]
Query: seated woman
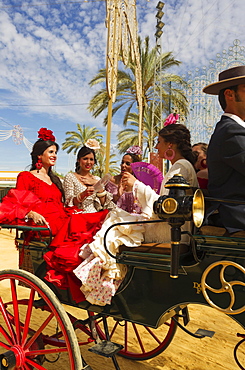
[43,184]
[38,199]
[79,185]
[99,273]
[173,144]
[125,200]
[200,149]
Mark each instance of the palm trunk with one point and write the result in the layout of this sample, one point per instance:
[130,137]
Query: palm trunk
[141,108]
[108,136]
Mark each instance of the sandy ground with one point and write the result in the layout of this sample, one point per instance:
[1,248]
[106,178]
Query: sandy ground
[185,352]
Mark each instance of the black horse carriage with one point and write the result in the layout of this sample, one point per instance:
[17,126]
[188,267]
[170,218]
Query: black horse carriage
[37,331]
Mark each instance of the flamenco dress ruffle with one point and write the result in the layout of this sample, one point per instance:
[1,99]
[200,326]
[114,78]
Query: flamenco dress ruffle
[64,257]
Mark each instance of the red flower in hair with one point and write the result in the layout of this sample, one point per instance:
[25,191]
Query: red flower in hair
[46,134]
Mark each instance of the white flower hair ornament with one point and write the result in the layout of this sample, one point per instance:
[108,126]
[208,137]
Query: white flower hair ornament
[92,144]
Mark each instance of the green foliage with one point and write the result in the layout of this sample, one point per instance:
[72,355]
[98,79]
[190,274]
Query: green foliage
[169,88]
[126,84]
[77,138]
[99,168]
[129,136]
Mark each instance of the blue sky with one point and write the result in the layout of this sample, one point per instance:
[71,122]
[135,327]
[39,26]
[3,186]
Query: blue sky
[49,51]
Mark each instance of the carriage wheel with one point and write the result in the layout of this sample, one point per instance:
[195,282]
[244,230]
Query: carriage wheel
[30,337]
[140,342]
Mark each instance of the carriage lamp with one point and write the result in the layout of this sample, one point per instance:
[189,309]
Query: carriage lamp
[176,208]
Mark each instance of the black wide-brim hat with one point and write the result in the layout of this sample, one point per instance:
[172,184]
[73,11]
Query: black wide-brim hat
[230,77]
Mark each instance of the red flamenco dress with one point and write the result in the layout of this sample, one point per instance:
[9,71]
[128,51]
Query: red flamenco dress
[70,229]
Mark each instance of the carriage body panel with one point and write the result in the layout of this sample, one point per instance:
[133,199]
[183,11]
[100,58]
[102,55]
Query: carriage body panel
[148,295]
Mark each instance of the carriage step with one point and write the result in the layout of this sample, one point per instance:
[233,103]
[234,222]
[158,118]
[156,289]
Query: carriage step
[205,333]
[106,348]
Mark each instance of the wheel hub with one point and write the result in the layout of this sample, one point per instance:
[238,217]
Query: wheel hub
[13,358]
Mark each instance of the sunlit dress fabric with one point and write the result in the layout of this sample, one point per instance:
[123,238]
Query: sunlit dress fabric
[73,187]
[126,201]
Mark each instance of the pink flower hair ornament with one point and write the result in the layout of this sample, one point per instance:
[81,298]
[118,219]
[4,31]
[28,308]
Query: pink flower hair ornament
[135,149]
[171,119]
[46,134]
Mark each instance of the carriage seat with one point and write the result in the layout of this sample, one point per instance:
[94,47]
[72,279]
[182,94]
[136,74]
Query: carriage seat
[220,231]
[154,248]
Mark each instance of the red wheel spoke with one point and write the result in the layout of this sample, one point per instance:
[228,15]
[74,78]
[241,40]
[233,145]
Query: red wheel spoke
[113,330]
[28,317]
[39,331]
[138,343]
[26,367]
[35,364]
[152,334]
[99,321]
[8,323]
[4,345]
[126,336]
[138,337]
[45,351]
[6,335]
[16,310]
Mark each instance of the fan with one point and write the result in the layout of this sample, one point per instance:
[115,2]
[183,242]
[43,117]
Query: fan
[148,174]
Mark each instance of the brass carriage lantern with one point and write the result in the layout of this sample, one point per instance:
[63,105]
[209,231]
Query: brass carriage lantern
[176,208]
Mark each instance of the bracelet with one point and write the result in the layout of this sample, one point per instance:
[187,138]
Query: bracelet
[27,218]
[100,195]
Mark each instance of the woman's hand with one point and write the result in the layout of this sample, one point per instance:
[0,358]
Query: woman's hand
[37,218]
[84,194]
[128,181]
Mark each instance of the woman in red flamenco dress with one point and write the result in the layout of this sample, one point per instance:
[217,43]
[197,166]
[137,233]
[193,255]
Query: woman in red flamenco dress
[38,199]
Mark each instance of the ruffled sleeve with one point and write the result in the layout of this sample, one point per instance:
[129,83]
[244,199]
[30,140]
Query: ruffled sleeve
[70,189]
[16,204]
[145,196]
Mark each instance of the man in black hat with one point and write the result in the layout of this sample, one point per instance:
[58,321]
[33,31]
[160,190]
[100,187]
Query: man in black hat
[226,150]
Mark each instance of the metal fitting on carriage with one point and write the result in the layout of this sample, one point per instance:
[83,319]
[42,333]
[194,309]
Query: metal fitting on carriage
[178,204]
[176,208]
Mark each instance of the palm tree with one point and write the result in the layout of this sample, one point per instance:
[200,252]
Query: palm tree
[129,136]
[77,138]
[171,84]
[99,167]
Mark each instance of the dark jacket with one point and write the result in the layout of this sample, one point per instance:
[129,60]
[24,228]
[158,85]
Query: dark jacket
[226,171]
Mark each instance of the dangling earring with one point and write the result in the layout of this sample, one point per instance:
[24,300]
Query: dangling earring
[38,165]
[203,163]
[171,156]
